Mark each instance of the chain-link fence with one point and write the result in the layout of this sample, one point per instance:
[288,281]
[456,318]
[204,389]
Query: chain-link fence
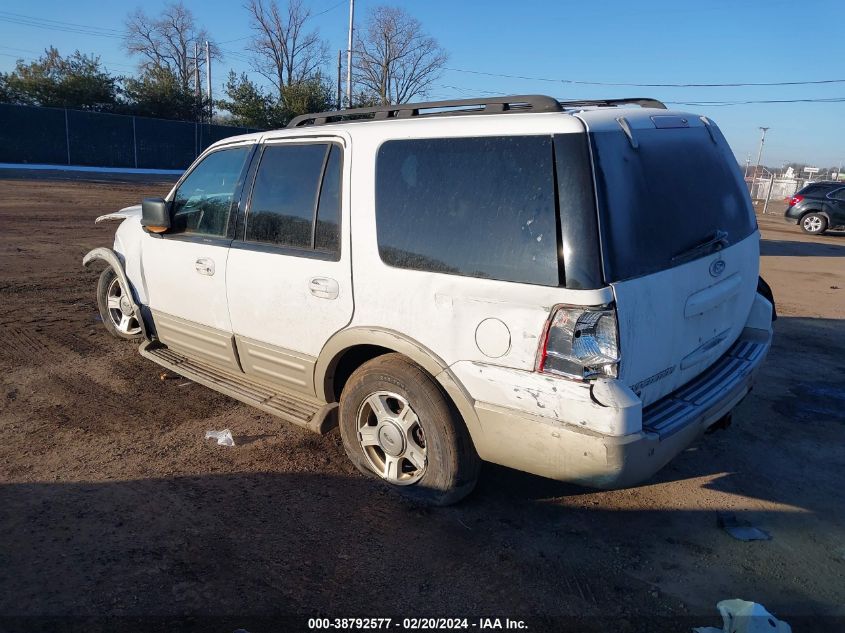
[59,136]
[774,188]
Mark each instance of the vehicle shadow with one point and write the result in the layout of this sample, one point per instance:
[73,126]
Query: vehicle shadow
[252,547]
[789,248]
[241,550]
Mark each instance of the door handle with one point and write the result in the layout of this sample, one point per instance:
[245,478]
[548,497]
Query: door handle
[204,266]
[324,287]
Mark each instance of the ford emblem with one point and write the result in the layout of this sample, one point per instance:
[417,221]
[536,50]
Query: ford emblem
[717,267]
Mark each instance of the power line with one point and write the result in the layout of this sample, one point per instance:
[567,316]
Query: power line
[61,23]
[636,85]
[246,37]
[237,39]
[331,8]
[63,27]
[473,92]
[238,56]
[753,101]
[69,27]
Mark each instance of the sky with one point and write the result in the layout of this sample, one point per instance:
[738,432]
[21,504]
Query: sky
[535,47]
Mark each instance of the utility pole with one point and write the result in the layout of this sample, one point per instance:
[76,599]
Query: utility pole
[339,97]
[769,194]
[208,79]
[197,80]
[759,155]
[349,55]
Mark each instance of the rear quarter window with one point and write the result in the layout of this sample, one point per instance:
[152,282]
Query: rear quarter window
[815,190]
[480,207]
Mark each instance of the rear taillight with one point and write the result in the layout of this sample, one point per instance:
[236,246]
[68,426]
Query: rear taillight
[795,200]
[580,343]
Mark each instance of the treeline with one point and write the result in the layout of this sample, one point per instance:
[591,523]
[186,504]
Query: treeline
[394,61]
[79,81]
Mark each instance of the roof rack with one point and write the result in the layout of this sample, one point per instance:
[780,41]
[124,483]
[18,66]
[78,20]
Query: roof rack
[486,105]
[643,102]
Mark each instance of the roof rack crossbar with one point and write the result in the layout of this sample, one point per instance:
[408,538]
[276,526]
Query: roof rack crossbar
[643,102]
[487,105]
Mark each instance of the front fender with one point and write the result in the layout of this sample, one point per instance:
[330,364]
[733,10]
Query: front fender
[110,257]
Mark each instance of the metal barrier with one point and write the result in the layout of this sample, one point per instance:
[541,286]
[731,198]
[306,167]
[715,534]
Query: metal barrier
[59,136]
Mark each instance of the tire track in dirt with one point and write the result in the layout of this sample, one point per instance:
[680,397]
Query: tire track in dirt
[21,344]
[37,345]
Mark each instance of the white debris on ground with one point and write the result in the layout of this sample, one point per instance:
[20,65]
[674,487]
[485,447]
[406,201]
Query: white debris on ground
[741,529]
[224,437]
[741,616]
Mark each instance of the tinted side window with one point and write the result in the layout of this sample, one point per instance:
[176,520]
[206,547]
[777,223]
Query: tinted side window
[814,190]
[282,208]
[327,231]
[482,207]
[203,202]
[839,194]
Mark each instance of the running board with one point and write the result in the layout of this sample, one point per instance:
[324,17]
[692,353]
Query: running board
[296,409]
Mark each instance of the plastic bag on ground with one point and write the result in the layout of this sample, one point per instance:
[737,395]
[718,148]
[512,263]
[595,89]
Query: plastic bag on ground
[224,437]
[741,616]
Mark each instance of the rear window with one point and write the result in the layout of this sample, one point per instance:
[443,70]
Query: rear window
[282,208]
[663,198]
[481,207]
[296,184]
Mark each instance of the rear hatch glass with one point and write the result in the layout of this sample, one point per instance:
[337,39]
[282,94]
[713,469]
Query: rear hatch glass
[665,197]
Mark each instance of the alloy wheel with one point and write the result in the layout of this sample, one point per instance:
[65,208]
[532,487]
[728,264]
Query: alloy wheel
[812,224]
[120,310]
[392,438]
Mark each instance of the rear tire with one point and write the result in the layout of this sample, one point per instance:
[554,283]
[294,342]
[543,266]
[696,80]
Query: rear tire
[814,223]
[398,425]
[115,305]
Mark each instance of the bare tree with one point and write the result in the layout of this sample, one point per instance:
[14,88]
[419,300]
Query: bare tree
[284,50]
[395,60]
[169,42]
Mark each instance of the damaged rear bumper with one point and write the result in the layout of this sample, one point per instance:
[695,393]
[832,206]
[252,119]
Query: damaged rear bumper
[568,452]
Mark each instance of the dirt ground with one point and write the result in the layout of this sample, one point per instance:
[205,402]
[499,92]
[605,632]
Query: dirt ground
[114,509]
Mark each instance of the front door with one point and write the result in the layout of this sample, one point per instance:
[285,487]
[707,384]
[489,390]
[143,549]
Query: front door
[185,268]
[289,280]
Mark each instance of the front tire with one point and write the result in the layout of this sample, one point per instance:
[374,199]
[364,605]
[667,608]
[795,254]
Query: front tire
[115,305]
[397,424]
[814,223]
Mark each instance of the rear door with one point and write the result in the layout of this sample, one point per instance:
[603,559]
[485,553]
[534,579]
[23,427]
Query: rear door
[837,205]
[679,242]
[289,281]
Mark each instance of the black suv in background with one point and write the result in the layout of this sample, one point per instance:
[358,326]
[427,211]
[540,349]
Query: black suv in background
[818,207]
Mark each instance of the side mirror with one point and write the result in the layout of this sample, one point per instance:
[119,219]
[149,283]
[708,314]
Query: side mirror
[155,215]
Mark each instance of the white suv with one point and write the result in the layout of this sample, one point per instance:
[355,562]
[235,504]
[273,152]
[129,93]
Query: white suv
[566,288]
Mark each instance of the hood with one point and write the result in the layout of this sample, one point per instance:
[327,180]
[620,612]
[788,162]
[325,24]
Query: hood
[127,212]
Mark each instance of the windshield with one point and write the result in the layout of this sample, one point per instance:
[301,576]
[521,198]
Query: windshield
[678,190]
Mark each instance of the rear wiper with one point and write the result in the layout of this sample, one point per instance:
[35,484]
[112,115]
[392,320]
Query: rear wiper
[715,243]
